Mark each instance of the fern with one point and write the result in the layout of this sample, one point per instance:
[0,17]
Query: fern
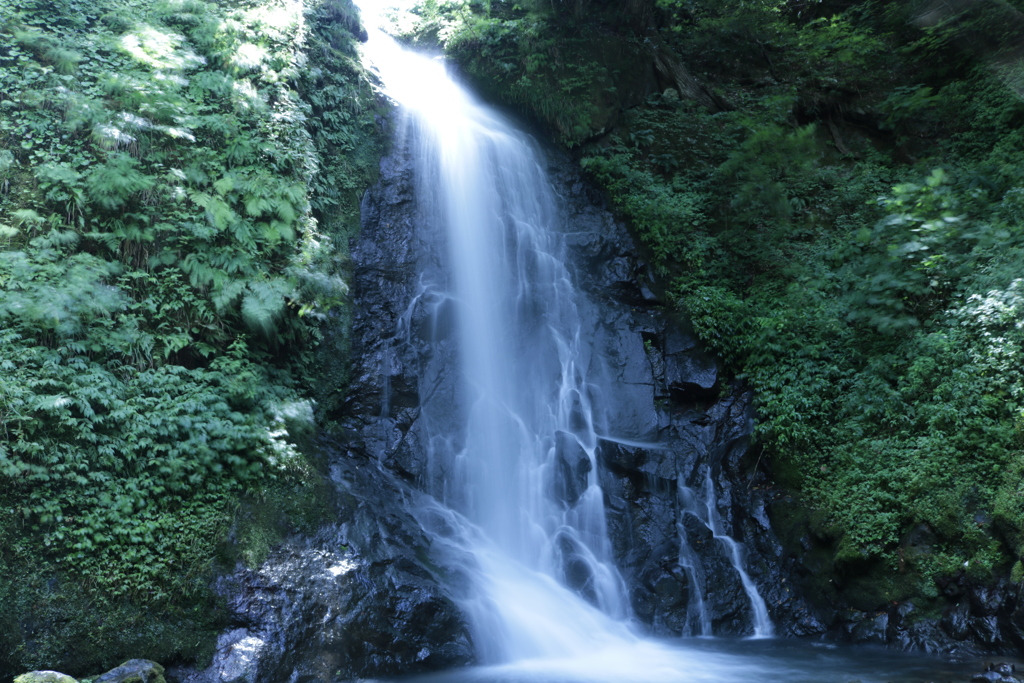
[160,241]
[63,61]
[264,304]
[113,184]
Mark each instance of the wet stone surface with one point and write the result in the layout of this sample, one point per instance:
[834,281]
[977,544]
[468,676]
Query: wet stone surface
[362,598]
[673,415]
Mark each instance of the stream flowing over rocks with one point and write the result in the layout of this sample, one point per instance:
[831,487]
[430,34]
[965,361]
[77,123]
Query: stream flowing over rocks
[682,417]
[369,596]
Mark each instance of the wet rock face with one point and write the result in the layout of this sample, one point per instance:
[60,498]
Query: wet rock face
[134,671]
[673,416]
[573,468]
[979,619]
[974,618]
[682,418]
[368,596]
[401,333]
[676,419]
[999,672]
[361,599]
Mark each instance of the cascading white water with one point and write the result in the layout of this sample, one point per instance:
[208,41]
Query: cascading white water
[530,558]
[520,498]
[521,358]
[702,506]
[698,621]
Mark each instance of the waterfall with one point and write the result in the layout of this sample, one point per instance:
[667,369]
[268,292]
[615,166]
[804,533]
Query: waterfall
[701,504]
[512,446]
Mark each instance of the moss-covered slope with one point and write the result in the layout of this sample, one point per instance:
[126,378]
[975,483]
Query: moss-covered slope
[178,181]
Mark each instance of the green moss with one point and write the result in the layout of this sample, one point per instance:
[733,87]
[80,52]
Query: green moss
[872,586]
[61,623]
[44,677]
[266,518]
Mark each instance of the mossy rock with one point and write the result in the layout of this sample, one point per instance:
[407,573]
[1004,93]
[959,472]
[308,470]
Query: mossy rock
[45,677]
[134,671]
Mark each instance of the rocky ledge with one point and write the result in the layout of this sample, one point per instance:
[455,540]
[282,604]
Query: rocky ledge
[362,598]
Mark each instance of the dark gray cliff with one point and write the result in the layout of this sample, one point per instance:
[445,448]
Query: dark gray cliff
[680,399]
[686,419]
[681,413]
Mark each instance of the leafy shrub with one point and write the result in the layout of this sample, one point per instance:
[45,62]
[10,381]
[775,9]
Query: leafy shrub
[168,222]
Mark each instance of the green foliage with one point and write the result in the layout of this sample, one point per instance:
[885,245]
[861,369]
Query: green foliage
[848,239]
[525,55]
[769,166]
[662,215]
[533,73]
[913,260]
[169,212]
[907,106]
[265,518]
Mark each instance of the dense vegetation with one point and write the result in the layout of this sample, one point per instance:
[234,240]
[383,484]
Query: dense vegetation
[178,180]
[833,192]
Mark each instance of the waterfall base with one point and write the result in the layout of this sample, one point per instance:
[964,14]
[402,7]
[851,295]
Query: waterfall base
[724,661]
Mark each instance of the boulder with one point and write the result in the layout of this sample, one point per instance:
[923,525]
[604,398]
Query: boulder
[134,671]
[44,677]
[999,672]
[361,598]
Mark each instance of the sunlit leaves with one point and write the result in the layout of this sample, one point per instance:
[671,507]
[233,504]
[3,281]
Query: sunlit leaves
[159,49]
